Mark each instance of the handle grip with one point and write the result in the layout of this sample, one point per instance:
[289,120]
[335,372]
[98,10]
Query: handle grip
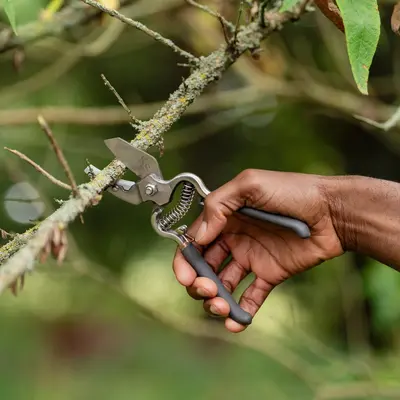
[299,227]
[196,260]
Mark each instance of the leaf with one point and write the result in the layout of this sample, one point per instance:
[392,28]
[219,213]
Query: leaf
[288,5]
[362,28]
[10,12]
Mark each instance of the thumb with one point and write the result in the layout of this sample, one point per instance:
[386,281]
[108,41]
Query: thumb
[218,206]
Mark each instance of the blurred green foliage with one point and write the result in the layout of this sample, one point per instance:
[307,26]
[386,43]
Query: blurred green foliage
[112,321]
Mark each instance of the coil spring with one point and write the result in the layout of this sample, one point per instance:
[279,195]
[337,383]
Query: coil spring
[181,209]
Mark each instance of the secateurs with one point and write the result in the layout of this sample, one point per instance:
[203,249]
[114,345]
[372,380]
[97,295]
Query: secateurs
[154,188]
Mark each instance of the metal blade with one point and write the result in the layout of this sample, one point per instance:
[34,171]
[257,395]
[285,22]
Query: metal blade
[123,189]
[138,161]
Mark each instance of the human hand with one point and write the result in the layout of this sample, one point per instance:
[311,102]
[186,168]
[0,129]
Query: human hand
[272,253]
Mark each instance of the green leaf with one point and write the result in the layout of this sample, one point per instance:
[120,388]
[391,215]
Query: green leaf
[288,5]
[362,27]
[10,12]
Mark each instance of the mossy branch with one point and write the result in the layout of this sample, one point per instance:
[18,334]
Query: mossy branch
[20,254]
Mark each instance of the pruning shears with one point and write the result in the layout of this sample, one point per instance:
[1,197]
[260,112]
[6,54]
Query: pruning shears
[152,187]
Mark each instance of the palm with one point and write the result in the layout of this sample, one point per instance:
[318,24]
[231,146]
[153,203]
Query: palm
[272,254]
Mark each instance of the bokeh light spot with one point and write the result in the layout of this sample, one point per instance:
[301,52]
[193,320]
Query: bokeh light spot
[22,203]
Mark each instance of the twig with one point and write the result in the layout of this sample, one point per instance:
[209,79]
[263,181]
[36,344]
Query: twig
[122,102]
[225,23]
[238,21]
[4,234]
[57,150]
[386,126]
[40,169]
[155,35]
[226,37]
[22,253]
[60,155]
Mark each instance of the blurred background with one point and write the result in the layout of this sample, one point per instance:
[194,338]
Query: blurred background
[112,322]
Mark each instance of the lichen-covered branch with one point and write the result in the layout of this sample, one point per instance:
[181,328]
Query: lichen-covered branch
[210,69]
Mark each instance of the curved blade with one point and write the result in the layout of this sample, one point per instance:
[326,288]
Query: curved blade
[123,189]
[138,161]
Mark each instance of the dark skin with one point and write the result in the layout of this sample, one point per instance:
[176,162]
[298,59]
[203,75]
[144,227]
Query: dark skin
[344,214]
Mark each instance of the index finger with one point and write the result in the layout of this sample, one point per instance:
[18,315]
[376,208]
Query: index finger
[183,271]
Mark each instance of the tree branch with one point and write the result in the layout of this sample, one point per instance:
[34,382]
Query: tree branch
[210,69]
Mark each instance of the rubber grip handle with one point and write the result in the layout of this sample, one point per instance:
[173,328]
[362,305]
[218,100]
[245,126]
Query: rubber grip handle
[196,260]
[299,227]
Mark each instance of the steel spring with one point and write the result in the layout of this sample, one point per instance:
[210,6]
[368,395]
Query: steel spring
[181,209]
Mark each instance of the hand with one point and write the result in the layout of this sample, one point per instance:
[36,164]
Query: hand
[272,253]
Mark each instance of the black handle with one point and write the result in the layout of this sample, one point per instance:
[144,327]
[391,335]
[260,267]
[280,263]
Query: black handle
[295,225]
[299,227]
[196,260]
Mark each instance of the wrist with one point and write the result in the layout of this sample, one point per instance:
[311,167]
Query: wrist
[365,213]
[339,193]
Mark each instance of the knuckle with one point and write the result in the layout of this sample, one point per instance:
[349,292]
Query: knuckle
[213,206]
[210,201]
[251,185]
[248,173]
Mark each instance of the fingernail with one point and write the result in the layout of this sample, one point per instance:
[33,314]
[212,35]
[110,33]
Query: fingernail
[201,292]
[201,232]
[214,310]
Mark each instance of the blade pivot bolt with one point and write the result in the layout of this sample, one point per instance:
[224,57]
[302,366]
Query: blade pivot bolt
[151,190]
